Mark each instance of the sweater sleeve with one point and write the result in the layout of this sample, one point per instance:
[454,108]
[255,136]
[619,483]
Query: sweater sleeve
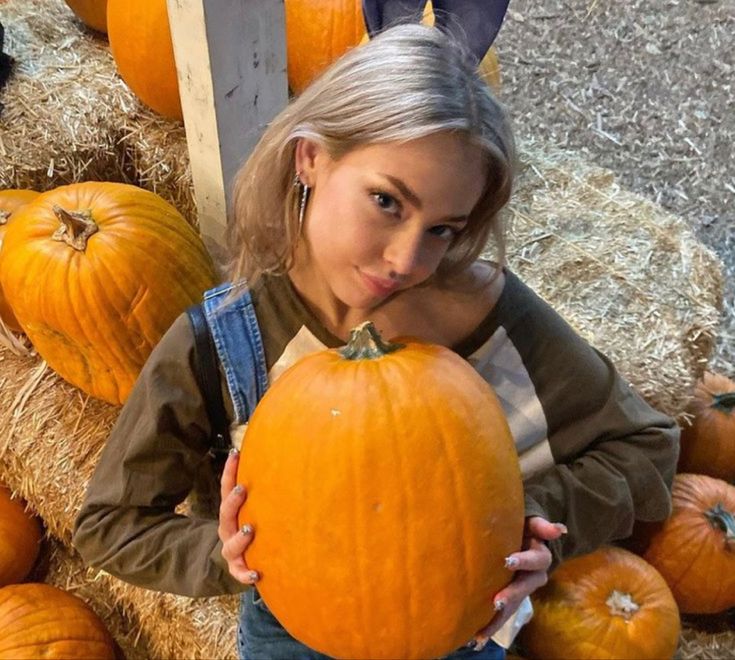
[128,524]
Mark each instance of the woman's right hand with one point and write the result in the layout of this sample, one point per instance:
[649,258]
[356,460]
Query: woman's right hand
[235,539]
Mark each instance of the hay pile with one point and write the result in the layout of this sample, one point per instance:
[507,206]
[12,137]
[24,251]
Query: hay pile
[69,117]
[628,276]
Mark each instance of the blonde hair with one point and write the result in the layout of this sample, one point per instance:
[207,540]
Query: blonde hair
[408,82]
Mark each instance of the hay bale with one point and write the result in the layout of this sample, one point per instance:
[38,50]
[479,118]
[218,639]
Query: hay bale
[69,117]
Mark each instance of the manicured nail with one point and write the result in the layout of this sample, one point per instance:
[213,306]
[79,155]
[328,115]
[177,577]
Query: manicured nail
[238,490]
[561,527]
[471,644]
[246,529]
[481,643]
[511,562]
[253,576]
[499,605]
[233,451]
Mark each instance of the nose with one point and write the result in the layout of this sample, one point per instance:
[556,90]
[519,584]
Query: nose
[404,253]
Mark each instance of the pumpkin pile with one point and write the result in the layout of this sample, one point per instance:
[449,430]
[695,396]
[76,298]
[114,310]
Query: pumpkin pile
[317,33]
[94,273]
[384,512]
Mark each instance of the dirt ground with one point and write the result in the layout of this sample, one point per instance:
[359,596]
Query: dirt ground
[645,88]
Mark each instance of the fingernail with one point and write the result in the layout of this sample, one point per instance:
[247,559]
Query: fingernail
[238,490]
[246,529]
[253,576]
[499,605]
[233,451]
[471,644]
[481,643]
[561,527]
[511,562]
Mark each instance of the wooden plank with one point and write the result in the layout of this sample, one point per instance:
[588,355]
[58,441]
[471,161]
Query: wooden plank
[231,63]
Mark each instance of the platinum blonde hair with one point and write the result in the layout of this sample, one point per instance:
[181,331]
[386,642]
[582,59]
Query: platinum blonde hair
[408,82]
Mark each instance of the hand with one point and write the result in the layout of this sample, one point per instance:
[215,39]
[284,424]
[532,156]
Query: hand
[530,566]
[234,539]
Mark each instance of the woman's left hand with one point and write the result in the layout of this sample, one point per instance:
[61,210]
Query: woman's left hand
[530,566]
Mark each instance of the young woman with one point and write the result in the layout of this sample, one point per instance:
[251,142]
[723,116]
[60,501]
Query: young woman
[371,196]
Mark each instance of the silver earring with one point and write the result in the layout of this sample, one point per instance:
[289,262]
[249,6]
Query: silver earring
[303,197]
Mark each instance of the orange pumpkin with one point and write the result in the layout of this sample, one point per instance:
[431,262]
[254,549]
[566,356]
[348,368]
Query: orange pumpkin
[608,604]
[41,621]
[20,539]
[140,41]
[96,273]
[93,13]
[10,201]
[708,442]
[382,511]
[695,548]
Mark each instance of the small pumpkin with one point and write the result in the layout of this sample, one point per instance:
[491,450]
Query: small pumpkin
[141,45]
[695,548]
[10,201]
[608,604]
[42,621]
[93,13]
[385,508]
[20,539]
[96,272]
[708,442]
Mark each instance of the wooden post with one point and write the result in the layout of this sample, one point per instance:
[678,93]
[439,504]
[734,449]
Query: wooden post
[231,63]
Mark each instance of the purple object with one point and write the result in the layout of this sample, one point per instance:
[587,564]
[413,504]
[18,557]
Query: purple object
[475,22]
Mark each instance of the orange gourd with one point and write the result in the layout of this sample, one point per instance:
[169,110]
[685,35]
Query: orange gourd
[708,442]
[20,539]
[93,13]
[140,42]
[606,605]
[41,621]
[695,548]
[10,201]
[385,492]
[96,273]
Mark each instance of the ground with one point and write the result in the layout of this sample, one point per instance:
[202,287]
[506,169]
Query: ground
[645,88]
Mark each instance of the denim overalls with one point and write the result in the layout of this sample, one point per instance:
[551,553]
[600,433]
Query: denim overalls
[236,336]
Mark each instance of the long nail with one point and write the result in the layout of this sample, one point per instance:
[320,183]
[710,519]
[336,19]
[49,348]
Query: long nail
[233,451]
[471,644]
[481,643]
[246,529]
[561,527]
[253,576]
[499,605]
[511,562]
[238,489]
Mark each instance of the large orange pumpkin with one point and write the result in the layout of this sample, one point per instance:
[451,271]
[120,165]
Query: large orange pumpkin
[385,492]
[20,539]
[695,548]
[93,13]
[609,604]
[140,41]
[10,201]
[96,273]
[708,442]
[41,621]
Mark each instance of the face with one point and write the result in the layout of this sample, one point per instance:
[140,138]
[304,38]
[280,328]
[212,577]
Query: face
[380,219]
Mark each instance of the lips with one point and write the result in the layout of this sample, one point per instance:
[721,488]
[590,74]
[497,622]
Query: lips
[378,285]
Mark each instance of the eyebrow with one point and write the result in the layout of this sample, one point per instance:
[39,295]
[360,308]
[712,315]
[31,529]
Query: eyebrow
[411,196]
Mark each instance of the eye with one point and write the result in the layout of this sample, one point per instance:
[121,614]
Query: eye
[447,232]
[386,202]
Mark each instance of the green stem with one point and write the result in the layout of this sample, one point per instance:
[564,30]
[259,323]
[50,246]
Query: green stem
[76,227]
[723,519]
[365,343]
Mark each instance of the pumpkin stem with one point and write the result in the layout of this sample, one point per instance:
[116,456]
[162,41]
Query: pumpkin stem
[724,402]
[4,215]
[76,227]
[365,343]
[723,519]
[622,604]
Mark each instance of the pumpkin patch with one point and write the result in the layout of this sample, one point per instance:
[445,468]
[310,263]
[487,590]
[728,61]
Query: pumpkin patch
[386,508]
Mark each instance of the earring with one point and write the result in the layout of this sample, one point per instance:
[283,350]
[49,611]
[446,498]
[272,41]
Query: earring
[303,197]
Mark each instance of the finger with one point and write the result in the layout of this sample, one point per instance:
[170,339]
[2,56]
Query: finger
[539,527]
[233,551]
[228,511]
[537,557]
[229,473]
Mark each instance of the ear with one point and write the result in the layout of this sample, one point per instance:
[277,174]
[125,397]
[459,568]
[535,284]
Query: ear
[309,157]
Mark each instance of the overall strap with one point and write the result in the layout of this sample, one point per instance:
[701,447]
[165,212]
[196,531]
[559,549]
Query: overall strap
[233,325]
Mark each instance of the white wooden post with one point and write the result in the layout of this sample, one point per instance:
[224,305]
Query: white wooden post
[231,64]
